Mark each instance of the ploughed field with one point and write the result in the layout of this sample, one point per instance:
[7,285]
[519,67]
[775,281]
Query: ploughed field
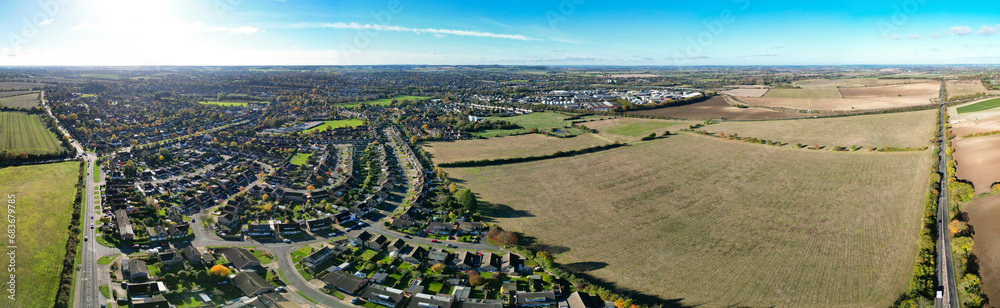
[977,159]
[507,147]
[716,108]
[820,98]
[712,222]
[984,217]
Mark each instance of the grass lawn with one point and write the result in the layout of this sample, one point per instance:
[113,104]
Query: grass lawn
[368,255]
[97,173]
[300,158]
[43,196]
[86,95]
[980,106]
[305,275]
[542,121]
[301,253]
[638,129]
[105,291]
[434,287]
[22,132]
[153,271]
[386,101]
[337,294]
[105,260]
[306,297]
[335,124]
[260,255]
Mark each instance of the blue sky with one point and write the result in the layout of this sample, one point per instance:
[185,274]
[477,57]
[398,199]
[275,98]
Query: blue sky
[558,32]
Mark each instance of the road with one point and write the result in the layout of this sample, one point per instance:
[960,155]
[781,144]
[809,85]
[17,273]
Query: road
[946,275]
[89,276]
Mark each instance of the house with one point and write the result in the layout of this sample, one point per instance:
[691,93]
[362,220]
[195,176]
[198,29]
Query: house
[241,258]
[438,256]
[510,263]
[377,242]
[259,230]
[481,303]
[229,220]
[441,228]
[474,228]
[344,281]
[379,277]
[191,254]
[124,226]
[315,259]
[169,257]
[178,231]
[402,223]
[414,255]
[207,259]
[157,234]
[288,228]
[464,261]
[151,302]
[396,245]
[135,270]
[421,300]
[535,299]
[344,217]
[151,288]
[490,262]
[252,284]
[318,224]
[582,300]
[271,300]
[384,296]
[358,237]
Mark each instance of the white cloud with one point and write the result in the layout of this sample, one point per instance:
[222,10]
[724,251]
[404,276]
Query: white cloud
[913,36]
[48,21]
[987,30]
[961,30]
[439,35]
[167,27]
[357,26]
[895,37]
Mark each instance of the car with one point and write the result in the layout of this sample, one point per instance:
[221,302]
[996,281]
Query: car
[451,246]
[91,225]
[145,246]
[361,223]
[84,238]
[407,236]
[347,229]
[91,216]
[435,241]
[135,246]
[332,234]
[286,240]
[355,300]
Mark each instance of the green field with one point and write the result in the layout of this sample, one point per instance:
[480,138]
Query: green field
[300,158]
[385,101]
[542,121]
[805,92]
[721,223]
[228,104]
[43,207]
[980,106]
[639,128]
[335,124]
[22,132]
[101,76]
[25,101]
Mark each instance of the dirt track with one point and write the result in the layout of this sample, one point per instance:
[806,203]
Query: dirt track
[715,108]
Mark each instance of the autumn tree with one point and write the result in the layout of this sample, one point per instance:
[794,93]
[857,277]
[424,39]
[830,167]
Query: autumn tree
[475,279]
[545,258]
[438,268]
[219,271]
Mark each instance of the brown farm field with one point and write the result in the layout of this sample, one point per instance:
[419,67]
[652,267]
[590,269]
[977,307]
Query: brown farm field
[14,85]
[984,217]
[974,122]
[721,223]
[904,129]
[892,96]
[507,147]
[632,129]
[746,92]
[978,161]
[25,101]
[716,108]
[958,87]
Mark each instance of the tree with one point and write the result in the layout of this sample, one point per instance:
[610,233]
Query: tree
[506,238]
[219,271]
[438,268]
[467,200]
[545,258]
[475,279]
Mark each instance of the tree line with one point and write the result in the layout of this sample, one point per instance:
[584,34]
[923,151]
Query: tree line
[501,161]
[65,293]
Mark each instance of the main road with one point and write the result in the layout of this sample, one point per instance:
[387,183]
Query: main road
[946,276]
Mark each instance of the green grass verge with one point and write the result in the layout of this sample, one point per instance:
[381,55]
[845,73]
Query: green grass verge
[306,276]
[105,291]
[300,158]
[105,260]
[335,124]
[260,255]
[306,297]
[43,199]
[639,128]
[97,173]
[300,253]
[980,106]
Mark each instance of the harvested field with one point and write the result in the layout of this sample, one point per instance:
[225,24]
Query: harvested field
[507,147]
[26,101]
[632,129]
[22,132]
[13,93]
[977,118]
[984,217]
[717,108]
[858,98]
[810,92]
[904,129]
[855,82]
[978,161]
[966,87]
[20,85]
[746,92]
[721,223]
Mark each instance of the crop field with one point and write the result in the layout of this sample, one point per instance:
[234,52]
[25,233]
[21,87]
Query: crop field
[971,122]
[386,101]
[632,129]
[717,108]
[336,124]
[855,82]
[542,121]
[13,85]
[22,132]
[721,223]
[958,87]
[507,147]
[14,93]
[978,161]
[810,92]
[892,96]
[904,129]
[25,101]
[984,217]
[43,205]
[980,106]
[746,92]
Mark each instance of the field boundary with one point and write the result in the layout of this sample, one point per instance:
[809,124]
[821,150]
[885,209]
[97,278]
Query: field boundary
[514,160]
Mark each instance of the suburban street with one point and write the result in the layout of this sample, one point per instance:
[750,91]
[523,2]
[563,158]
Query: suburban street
[946,276]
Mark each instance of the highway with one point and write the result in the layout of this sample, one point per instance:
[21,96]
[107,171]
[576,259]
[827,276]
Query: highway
[946,275]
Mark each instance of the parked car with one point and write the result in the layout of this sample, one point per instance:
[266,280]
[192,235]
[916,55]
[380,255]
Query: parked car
[286,240]
[435,241]
[407,236]
[451,246]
